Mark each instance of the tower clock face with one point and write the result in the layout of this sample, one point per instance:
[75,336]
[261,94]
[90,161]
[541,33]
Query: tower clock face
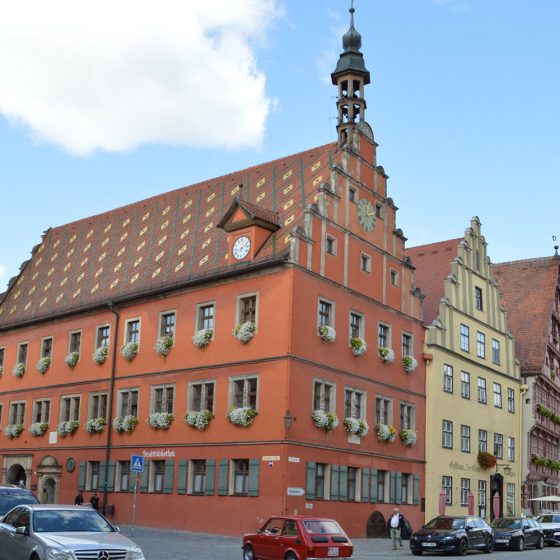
[366,214]
[241,247]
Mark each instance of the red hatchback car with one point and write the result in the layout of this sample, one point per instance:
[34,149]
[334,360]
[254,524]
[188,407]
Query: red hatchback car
[294,537]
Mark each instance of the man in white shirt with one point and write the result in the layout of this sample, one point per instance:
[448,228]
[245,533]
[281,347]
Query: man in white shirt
[396,523]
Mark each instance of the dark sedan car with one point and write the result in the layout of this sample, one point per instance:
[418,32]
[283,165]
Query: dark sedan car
[515,533]
[456,535]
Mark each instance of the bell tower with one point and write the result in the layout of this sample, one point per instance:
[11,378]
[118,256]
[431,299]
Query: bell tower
[350,76]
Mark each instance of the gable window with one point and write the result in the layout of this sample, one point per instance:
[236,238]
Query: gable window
[406,345]
[447,434]
[482,440]
[22,353]
[354,404]
[481,345]
[128,403]
[70,408]
[206,316]
[323,396]
[482,390]
[163,397]
[97,406]
[383,336]
[41,410]
[102,336]
[326,314]
[201,396]
[478,298]
[499,446]
[465,385]
[356,323]
[75,342]
[248,309]
[331,245]
[241,477]
[495,351]
[394,277]
[243,393]
[167,324]
[132,331]
[511,449]
[497,395]
[447,487]
[365,262]
[465,490]
[17,413]
[511,400]
[383,410]
[465,344]
[447,378]
[407,416]
[46,347]
[465,439]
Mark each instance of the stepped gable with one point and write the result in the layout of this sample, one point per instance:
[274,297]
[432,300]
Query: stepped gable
[166,240]
[433,265]
[528,289]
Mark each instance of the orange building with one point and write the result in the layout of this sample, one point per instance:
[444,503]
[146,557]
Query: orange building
[228,333]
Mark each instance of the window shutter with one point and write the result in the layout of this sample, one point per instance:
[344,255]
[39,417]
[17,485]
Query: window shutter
[392,487]
[335,481]
[254,466]
[398,485]
[310,481]
[144,477]
[416,493]
[102,476]
[169,474]
[223,478]
[111,476]
[343,483]
[182,477]
[82,476]
[373,497]
[210,478]
[365,485]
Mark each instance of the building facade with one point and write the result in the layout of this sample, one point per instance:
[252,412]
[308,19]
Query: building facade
[473,385]
[255,338]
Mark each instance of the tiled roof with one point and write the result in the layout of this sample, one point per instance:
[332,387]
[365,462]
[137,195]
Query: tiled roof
[528,290]
[433,266]
[161,241]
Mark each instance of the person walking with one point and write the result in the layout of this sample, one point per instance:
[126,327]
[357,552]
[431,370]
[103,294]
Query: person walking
[94,500]
[396,524]
[79,499]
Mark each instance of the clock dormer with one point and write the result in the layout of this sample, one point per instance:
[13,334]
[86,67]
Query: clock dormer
[249,227]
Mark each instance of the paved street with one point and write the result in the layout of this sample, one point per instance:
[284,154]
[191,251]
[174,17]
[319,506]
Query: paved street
[181,545]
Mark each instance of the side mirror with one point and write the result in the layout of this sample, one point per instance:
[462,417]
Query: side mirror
[258,531]
[117,529]
[22,531]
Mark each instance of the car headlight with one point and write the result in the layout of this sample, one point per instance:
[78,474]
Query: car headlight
[135,554]
[449,538]
[57,554]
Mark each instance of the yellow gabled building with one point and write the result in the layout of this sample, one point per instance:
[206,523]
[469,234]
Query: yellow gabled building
[473,385]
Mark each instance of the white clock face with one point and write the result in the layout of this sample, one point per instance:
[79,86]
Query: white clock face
[241,247]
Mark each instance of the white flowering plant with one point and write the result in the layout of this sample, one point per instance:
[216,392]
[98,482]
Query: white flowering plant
[67,428]
[202,338]
[38,428]
[129,350]
[72,359]
[160,420]
[245,332]
[95,425]
[199,419]
[327,421]
[13,430]
[100,354]
[409,363]
[356,426]
[43,365]
[125,424]
[386,354]
[385,432]
[242,416]
[326,333]
[358,346]
[163,345]
[408,437]
[19,369]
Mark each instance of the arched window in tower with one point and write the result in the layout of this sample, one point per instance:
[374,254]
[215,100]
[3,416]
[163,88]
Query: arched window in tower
[344,89]
[356,113]
[356,88]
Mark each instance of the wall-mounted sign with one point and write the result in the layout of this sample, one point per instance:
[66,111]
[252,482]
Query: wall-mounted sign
[70,464]
[271,458]
[293,459]
[294,491]
[156,453]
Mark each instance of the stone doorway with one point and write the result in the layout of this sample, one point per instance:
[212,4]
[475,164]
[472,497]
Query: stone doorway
[376,526]
[49,473]
[16,475]
[48,491]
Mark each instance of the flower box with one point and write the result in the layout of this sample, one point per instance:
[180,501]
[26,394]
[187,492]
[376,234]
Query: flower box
[38,428]
[43,365]
[245,332]
[163,345]
[356,426]
[387,355]
[409,363]
[408,437]
[326,333]
[202,338]
[486,460]
[72,359]
[129,350]
[100,354]
[95,425]
[160,420]
[19,369]
[327,421]
[358,346]
[199,419]
[13,430]
[125,424]
[67,428]
[385,432]
[243,416]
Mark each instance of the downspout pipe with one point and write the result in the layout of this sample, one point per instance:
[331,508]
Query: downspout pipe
[115,337]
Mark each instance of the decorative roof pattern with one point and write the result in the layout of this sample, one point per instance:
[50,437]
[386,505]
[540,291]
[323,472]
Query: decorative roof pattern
[161,241]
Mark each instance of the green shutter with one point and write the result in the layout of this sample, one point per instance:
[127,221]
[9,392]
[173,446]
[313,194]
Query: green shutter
[210,478]
[223,477]
[365,485]
[343,483]
[310,481]
[254,466]
[398,483]
[111,476]
[373,497]
[144,477]
[393,495]
[102,476]
[182,477]
[169,474]
[416,492]
[82,476]
[335,481]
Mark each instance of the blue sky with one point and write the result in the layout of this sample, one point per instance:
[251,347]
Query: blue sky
[102,109]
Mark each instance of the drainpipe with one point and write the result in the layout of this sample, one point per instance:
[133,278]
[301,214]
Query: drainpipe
[110,404]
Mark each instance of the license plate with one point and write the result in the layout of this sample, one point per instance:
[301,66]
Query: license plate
[429,544]
[332,551]
[502,541]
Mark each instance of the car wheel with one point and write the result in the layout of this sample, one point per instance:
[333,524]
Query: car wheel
[489,546]
[417,552]
[520,545]
[290,556]
[248,553]
[540,543]
[462,547]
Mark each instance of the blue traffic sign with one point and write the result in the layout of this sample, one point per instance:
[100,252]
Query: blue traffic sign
[136,463]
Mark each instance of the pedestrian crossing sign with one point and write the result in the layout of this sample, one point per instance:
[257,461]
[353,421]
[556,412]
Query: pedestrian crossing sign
[136,463]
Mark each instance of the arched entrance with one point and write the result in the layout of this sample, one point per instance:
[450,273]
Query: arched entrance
[376,526]
[16,475]
[496,493]
[48,491]
[49,473]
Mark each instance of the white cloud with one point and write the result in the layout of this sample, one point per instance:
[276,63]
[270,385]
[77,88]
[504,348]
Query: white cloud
[112,75]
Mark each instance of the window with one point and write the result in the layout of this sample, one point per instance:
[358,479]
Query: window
[325,317]
[465,343]
[70,408]
[383,410]
[201,396]
[352,476]
[495,351]
[75,342]
[447,434]
[127,404]
[381,485]
[102,336]
[407,416]
[97,406]
[331,245]
[323,396]
[480,345]
[378,211]
[465,490]
[383,336]
[198,476]
[511,449]
[241,477]
[482,440]
[352,194]
[167,324]
[17,413]
[206,316]
[405,488]
[244,392]
[482,390]
[92,483]
[1,410]
[41,411]
[2,352]
[407,345]
[497,395]
[356,324]
[132,331]
[478,298]
[320,479]
[447,378]
[248,309]
[482,498]
[465,385]
[511,400]
[499,446]
[365,263]
[447,487]
[123,476]
[22,353]
[163,397]
[510,499]
[157,476]
[46,347]
[354,404]
[394,277]
[465,439]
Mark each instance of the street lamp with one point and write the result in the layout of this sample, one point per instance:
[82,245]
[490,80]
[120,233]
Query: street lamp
[505,466]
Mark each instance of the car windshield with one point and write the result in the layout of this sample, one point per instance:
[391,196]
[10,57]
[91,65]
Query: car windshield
[446,523]
[548,518]
[69,520]
[318,527]
[505,523]
[9,501]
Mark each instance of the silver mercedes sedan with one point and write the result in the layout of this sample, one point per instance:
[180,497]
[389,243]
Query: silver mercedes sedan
[54,532]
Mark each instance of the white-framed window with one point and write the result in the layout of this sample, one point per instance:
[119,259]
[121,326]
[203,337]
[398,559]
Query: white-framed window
[447,434]
[22,353]
[324,396]
[481,345]
[353,480]
[499,446]
[205,313]
[132,331]
[70,408]
[239,483]
[394,276]
[482,440]
[510,499]
[354,403]
[97,406]
[478,298]
[497,395]
[330,244]
[407,416]
[127,402]
[365,262]
[448,378]
[465,385]
[464,338]
[247,308]
[123,476]
[167,321]
[495,351]
[162,398]
[197,476]
[482,396]
[46,347]
[201,395]
[92,475]
[382,486]
[447,487]
[325,313]
[102,336]
[75,342]
[383,336]
[465,491]
[407,346]
[482,498]
[157,477]
[322,479]
[511,400]
[511,449]
[243,392]
[465,438]
[383,410]
[41,410]
[17,412]
[356,325]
